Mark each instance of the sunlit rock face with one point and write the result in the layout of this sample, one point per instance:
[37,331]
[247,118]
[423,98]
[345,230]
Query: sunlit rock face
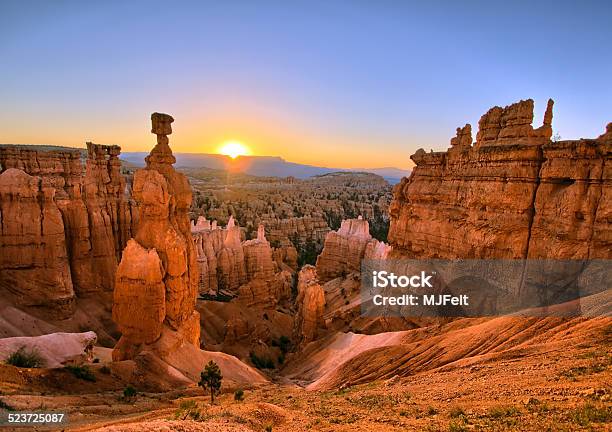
[310,304]
[157,279]
[108,215]
[513,194]
[87,212]
[573,203]
[512,125]
[266,286]
[246,269]
[344,249]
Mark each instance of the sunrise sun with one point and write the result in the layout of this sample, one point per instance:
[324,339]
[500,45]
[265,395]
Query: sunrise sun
[234,149]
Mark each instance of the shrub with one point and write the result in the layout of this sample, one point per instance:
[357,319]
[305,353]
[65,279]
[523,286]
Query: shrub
[588,413]
[188,409]
[457,412]
[5,406]
[105,370]
[284,343]
[81,372]
[261,363]
[129,392]
[457,426]
[503,411]
[26,359]
[239,395]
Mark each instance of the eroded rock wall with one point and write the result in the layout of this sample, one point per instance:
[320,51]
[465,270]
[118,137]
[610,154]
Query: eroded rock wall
[248,269]
[95,221]
[344,249]
[34,264]
[296,230]
[513,194]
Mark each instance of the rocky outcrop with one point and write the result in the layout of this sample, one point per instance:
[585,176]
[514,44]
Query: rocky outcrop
[513,194]
[258,257]
[310,303]
[157,283]
[95,222]
[157,279]
[295,230]
[266,286]
[463,138]
[231,270]
[286,257]
[54,349]
[344,249]
[512,125]
[140,296]
[99,225]
[248,270]
[34,264]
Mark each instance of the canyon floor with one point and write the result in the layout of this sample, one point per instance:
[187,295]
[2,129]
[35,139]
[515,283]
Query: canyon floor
[550,386]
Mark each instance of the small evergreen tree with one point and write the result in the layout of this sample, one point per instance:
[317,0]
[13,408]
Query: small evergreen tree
[210,379]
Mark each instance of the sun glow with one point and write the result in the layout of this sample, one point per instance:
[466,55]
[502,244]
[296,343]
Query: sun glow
[234,149]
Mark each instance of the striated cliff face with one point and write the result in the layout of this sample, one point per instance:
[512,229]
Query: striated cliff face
[157,279]
[513,194]
[344,249]
[33,256]
[85,213]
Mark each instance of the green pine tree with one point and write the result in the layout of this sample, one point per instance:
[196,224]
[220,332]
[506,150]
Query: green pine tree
[210,379]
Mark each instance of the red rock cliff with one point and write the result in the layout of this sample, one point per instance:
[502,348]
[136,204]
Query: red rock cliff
[94,224]
[34,265]
[513,194]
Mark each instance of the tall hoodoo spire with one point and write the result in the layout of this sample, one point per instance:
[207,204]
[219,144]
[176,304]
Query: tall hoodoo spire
[157,279]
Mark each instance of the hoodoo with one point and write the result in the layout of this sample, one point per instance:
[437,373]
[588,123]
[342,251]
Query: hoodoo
[157,279]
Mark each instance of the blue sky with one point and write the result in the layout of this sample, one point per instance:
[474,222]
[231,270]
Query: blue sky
[364,83]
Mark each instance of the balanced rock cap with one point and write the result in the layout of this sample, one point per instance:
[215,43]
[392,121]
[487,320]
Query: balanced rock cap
[161,124]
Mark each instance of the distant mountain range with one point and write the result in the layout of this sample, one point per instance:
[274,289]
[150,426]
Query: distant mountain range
[271,166]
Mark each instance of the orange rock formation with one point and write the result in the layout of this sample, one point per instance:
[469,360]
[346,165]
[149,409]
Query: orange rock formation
[311,305]
[33,256]
[344,249]
[513,194]
[248,269]
[156,282]
[79,220]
